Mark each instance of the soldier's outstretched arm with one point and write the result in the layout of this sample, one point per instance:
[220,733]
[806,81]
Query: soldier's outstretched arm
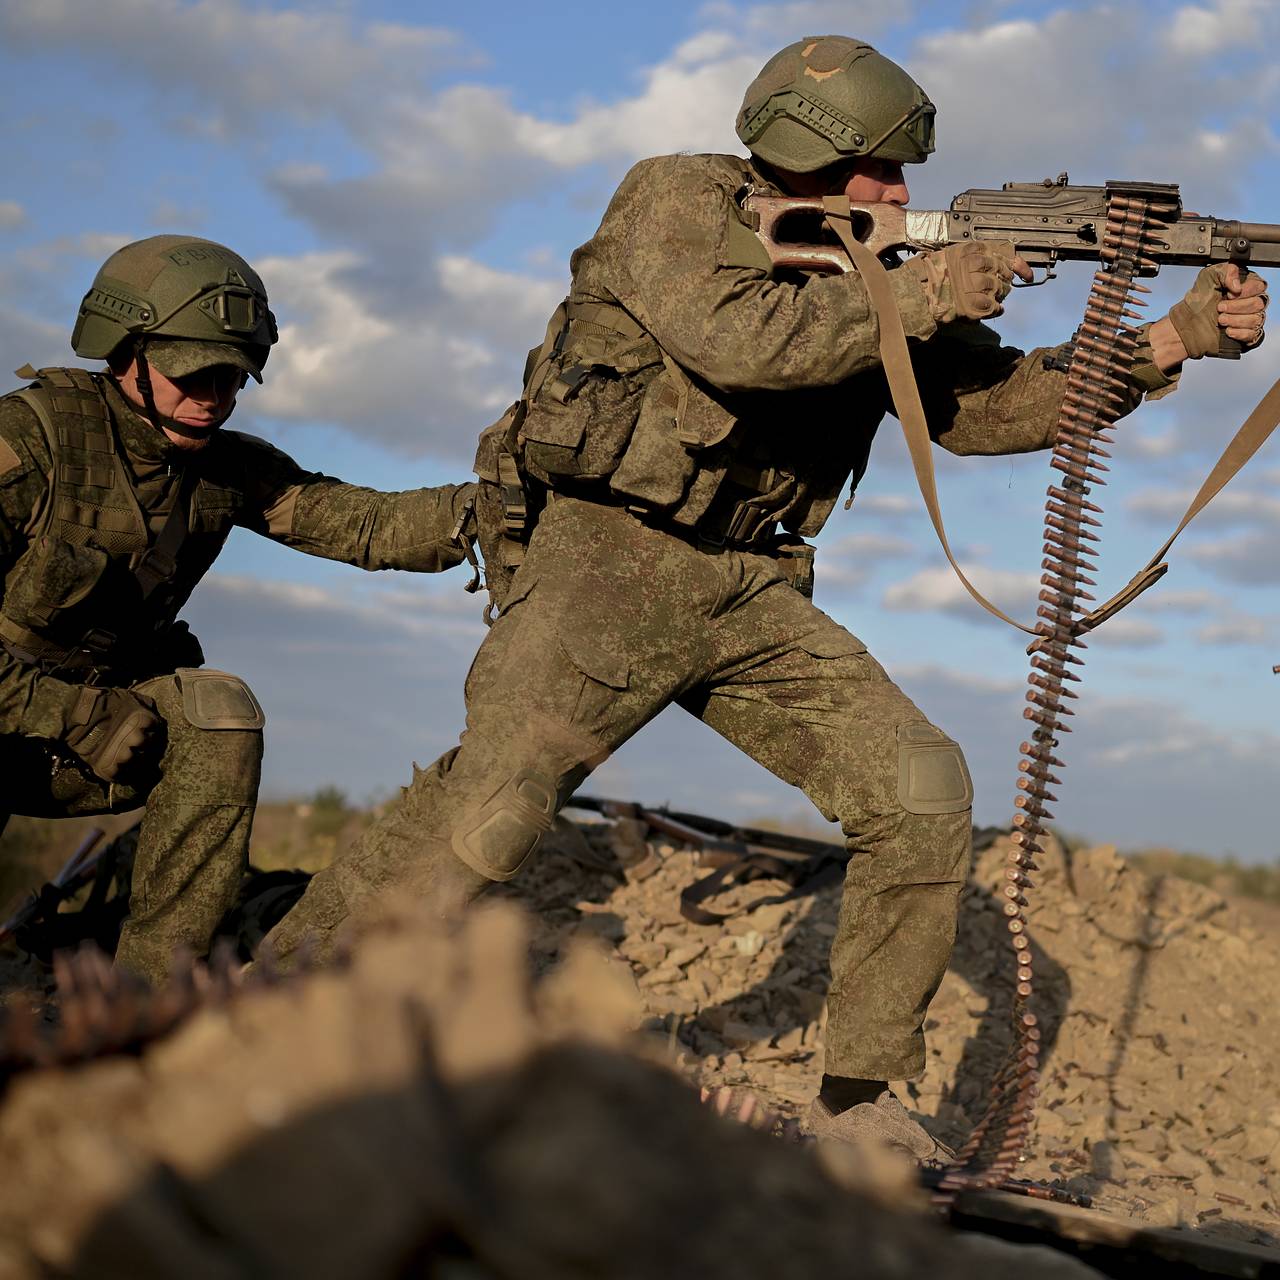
[425,530]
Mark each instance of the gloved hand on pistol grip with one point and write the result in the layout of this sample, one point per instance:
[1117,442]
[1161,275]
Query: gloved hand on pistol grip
[112,730]
[969,281]
[1225,300]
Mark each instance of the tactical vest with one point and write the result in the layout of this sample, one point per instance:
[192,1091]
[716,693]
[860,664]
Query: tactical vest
[607,414]
[94,589]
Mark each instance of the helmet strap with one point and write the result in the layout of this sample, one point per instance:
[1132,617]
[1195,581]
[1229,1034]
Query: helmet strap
[142,379]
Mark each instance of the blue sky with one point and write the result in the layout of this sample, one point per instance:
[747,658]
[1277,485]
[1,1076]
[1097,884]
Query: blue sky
[411,179]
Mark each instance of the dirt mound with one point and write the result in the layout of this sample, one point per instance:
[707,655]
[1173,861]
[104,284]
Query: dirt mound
[1162,1043]
[430,1110]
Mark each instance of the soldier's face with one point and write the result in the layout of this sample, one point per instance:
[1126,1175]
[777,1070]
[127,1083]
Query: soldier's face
[872,181]
[866,180]
[199,401]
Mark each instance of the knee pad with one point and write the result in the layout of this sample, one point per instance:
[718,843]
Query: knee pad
[217,700]
[497,839]
[932,775]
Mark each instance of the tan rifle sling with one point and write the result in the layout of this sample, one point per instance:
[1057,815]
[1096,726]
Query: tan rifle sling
[898,371]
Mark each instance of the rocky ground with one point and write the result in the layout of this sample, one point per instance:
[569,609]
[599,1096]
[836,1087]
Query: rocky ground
[430,1110]
[479,1105]
[1161,1089]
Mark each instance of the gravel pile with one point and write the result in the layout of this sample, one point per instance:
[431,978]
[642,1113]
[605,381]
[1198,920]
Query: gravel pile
[1161,1089]
[430,1110]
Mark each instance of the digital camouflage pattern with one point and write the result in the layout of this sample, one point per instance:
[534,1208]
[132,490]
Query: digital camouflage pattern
[201,789]
[622,606]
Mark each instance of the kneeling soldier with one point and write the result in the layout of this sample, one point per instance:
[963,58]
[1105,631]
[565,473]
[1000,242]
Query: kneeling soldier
[117,492]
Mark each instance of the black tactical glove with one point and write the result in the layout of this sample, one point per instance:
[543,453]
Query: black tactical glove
[112,730]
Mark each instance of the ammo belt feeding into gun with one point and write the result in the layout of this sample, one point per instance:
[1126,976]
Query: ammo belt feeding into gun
[1104,351]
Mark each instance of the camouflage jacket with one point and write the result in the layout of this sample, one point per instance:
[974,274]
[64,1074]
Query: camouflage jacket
[77,517]
[750,381]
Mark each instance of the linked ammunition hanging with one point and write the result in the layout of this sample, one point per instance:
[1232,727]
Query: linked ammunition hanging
[1103,354]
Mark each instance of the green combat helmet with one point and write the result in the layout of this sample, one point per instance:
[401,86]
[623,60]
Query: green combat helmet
[189,303]
[827,99]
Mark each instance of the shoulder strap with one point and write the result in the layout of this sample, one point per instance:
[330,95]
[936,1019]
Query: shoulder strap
[896,360]
[158,564]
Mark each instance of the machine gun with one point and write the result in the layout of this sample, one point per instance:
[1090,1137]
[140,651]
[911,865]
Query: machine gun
[1048,222]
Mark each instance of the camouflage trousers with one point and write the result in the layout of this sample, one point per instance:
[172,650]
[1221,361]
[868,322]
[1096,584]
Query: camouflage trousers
[194,841]
[607,622]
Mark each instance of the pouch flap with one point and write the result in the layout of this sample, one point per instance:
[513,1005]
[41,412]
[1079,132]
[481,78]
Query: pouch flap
[599,664]
[831,642]
[554,424]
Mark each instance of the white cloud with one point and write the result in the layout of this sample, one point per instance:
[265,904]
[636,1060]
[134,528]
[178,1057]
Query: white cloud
[1160,600]
[869,546]
[1249,558]
[784,23]
[243,61]
[885,504]
[23,340]
[425,385]
[12,215]
[1092,115]
[1199,30]
[939,590]
[1230,507]
[1239,629]
[688,104]
[1165,445]
[1126,633]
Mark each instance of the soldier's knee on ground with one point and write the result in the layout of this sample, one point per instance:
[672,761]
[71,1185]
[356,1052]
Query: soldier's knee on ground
[498,837]
[214,731]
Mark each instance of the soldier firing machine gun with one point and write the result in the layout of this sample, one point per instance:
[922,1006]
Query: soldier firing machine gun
[1131,229]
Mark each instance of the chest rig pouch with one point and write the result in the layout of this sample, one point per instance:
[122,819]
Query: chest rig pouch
[94,592]
[584,393]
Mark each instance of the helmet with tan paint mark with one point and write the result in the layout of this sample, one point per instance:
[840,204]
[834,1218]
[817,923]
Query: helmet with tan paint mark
[827,99]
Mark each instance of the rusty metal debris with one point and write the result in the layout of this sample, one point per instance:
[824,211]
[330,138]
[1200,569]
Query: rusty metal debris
[74,874]
[1114,1246]
[100,1009]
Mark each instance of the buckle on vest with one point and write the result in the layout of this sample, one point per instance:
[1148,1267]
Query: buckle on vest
[515,501]
[157,564]
[746,522]
[564,386]
[97,641]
